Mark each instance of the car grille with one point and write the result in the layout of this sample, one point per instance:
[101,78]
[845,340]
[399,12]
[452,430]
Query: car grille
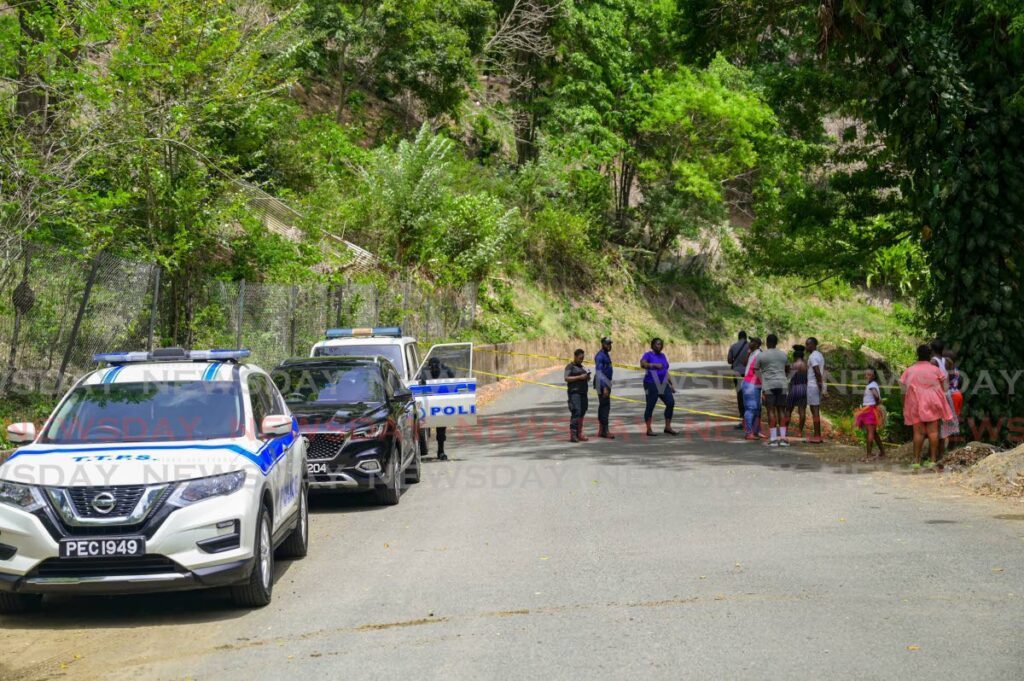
[75,568]
[126,498]
[324,446]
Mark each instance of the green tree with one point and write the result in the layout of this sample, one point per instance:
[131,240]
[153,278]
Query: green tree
[943,84]
[707,142]
[400,50]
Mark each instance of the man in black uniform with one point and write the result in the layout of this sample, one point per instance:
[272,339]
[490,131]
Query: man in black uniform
[603,385]
[436,369]
[576,380]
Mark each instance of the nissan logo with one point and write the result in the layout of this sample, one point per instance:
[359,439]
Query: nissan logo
[104,502]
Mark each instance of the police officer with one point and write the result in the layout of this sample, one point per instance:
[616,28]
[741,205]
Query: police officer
[437,369]
[576,380]
[603,385]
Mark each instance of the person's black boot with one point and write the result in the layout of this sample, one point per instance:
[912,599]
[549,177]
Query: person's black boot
[441,456]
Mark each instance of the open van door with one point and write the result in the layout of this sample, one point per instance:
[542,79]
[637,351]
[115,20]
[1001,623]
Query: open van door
[445,388]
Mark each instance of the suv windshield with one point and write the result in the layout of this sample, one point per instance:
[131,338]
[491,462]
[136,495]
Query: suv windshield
[149,412]
[319,384]
[392,352]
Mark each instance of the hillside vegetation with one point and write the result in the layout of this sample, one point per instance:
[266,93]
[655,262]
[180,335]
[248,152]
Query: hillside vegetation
[680,167]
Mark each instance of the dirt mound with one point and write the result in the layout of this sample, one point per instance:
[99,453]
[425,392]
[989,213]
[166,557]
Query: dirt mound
[1001,473]
[968,455]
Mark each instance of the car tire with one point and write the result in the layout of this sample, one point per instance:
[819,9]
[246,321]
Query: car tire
[297,543]
[414,471]
[15,604]
[389,494]
[258,590]
[423,435]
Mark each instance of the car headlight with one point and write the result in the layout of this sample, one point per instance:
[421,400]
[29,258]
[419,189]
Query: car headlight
[369,432]
[204,488]
[25,497]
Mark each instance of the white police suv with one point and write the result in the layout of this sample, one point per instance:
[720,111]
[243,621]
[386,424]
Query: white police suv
[443,382]
[166,470]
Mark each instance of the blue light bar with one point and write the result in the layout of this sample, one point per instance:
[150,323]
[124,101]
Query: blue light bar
[171,355]
[365,332]
[222,355]
[120,357]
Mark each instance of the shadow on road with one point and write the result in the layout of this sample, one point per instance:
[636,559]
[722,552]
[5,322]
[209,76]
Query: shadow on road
[149,610]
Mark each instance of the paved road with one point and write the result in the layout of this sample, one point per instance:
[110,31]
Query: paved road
[527,557]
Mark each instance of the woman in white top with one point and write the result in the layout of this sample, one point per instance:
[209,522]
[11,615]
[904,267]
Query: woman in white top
[869,416]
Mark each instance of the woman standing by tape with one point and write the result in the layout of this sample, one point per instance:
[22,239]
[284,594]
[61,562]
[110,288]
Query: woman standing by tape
[658,386]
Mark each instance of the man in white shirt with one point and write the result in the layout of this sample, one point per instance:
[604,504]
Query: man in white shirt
[815,385]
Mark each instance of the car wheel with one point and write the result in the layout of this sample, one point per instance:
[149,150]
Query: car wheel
[13,604]
[297,543]
[424,441]
[390,493]
[413,472]
[257,591]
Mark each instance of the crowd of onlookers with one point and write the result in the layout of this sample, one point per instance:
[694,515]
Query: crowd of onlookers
[774,386]
[768,380]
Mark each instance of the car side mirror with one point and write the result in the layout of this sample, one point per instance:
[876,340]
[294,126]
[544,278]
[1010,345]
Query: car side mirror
[403,395]
[21,433]
[275,425]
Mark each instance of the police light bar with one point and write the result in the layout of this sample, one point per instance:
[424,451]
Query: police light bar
[120,357]
[171,355]
[222,355]
[364,332]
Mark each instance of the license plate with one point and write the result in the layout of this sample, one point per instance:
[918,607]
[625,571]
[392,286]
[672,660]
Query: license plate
[103,547]
[314,468]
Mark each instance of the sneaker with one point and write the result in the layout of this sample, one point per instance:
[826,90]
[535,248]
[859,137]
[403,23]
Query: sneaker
[607,436]
[783,443]
[772,443]
[441,456]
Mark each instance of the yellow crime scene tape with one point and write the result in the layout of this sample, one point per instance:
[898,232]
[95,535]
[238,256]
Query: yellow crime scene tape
[614,397]
[624,399]
[628,367]
[618,397]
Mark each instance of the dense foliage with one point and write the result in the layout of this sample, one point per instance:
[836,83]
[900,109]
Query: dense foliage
[562,140]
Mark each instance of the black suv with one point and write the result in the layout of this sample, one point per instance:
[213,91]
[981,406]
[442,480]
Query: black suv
[360,421]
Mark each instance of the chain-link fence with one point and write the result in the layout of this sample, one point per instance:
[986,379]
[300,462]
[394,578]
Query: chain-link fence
[57,310]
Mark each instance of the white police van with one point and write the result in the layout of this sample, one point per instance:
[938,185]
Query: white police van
[163,471]
[442,382]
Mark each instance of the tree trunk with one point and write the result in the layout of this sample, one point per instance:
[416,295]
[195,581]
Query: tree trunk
[31,98]
[19,311]
[342,85]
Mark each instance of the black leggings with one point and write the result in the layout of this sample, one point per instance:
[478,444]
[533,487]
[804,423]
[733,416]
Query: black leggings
[653,395]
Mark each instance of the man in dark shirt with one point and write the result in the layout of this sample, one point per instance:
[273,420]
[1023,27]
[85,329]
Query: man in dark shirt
[435,368]
[739,353]
[603,385]
[576,379]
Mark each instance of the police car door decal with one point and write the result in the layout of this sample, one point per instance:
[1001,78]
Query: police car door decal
[445,387]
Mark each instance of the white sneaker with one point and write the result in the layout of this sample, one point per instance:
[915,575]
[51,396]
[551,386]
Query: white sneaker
[783,443]
[773,443]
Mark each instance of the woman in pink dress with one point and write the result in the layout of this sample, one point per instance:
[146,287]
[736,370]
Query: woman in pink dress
[924,401]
